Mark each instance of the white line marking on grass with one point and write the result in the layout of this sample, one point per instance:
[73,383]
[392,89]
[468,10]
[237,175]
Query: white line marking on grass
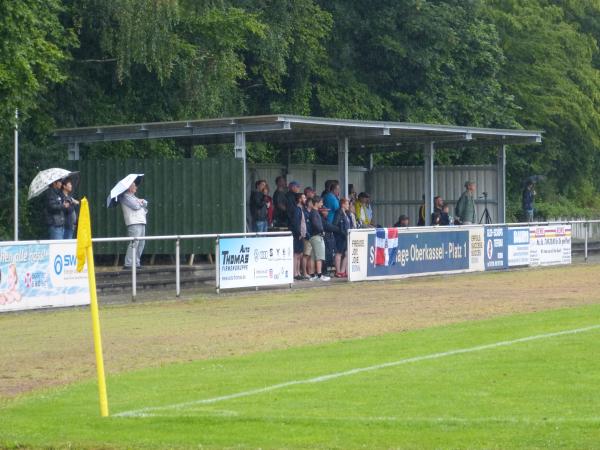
[394,419]
[143,412]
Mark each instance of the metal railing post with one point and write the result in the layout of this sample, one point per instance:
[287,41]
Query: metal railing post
[586,224]
[134,245]
[177,269]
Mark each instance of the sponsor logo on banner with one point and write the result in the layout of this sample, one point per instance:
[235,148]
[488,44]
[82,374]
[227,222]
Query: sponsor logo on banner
[550,245]
[41,275]
[254,261]
[396,253]
[495,245]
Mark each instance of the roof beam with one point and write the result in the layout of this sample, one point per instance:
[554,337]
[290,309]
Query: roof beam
[147,131]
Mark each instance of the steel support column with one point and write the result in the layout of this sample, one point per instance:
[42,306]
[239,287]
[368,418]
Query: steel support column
[343,164]
[501,176]
[73,151]
[428,188]
[240,153]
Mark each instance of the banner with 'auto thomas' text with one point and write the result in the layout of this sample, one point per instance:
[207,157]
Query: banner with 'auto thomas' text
[254,261]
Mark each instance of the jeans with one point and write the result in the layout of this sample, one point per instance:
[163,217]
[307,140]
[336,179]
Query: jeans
[529,215]
[260,226]
[56,232]
[68,234]
[138,230]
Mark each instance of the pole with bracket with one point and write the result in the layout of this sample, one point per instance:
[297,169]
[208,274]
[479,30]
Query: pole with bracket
[16,181]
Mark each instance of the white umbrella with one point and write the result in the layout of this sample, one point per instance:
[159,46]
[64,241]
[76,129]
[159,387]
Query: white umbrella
[121,187]
[44,179]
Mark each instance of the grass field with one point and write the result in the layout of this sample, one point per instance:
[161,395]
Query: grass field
[515,381]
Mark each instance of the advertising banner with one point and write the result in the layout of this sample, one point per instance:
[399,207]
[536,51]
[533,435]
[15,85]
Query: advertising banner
[550,245]
[254,261]
[517,246]
[41,275]
[395,253]
[495,248]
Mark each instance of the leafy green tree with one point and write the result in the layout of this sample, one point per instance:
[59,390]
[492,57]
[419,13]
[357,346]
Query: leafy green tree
[550,52]
[33,55]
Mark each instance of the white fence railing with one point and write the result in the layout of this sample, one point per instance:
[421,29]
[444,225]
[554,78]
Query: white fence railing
[583,227]
[178,239]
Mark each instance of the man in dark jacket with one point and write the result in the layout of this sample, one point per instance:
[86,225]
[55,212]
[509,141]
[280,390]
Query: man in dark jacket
[55,211]
[528,201]
[299,230]
[259,207]
[439,216]
[280,218]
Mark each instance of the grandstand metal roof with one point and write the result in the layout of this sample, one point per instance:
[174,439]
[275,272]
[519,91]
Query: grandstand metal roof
[299,130]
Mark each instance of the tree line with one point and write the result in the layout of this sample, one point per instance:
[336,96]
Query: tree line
[489,63]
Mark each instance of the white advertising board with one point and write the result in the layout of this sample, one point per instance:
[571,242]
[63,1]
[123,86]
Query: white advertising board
[549,245]
[397,253]
[254,261]
[41,275]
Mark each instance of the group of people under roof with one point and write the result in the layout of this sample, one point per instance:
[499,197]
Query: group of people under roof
[319,223]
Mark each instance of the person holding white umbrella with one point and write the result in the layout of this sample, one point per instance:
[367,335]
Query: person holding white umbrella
[134,212]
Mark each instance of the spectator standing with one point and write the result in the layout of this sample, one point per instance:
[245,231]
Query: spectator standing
[290,200]
[259,207]
[309,192]
[72,211]
[299,231]
[440,214]
[329,238]
[307,262]
[55,209]
[316,240]
[270,208]
[352,215]
[280,218]
[332,200]
[134,212]
[364,212]
[528,201]
[352,195]
[403,221]
[342,222]
[464,212]
[421,222]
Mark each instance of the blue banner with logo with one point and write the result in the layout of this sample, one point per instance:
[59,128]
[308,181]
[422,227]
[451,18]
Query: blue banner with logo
[419,253]
[517,246]
[495,248]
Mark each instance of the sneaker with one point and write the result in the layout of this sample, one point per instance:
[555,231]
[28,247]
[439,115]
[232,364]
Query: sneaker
[324,278]
[313,278]
[298,277]
[305,277]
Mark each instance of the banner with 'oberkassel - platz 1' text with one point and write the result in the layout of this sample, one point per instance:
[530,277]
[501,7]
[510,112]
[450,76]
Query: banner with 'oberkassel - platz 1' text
[382,253]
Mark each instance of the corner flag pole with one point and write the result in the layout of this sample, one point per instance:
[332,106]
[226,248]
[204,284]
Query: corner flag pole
[86,253]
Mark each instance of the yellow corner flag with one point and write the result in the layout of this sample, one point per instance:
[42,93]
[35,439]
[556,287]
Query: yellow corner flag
[85,253]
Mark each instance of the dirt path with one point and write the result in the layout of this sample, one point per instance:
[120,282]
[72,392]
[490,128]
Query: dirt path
[51,348]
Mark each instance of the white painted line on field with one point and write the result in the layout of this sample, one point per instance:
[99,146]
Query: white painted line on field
[143,412]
